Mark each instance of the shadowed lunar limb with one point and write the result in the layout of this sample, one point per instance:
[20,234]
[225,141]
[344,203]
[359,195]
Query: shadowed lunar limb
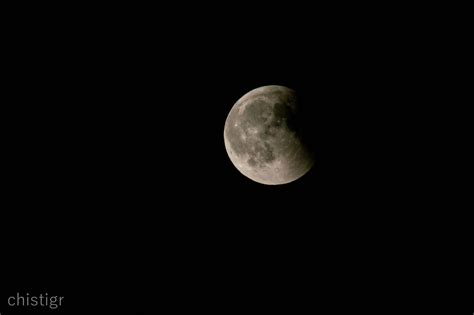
[262,137]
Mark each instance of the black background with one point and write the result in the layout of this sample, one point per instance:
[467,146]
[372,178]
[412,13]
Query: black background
[119,193]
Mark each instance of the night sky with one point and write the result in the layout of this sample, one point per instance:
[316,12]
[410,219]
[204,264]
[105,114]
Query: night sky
[119,193]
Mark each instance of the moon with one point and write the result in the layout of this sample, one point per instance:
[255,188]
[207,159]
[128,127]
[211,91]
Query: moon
[263,138]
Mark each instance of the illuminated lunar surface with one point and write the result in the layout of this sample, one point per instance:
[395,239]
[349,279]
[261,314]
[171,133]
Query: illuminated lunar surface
[262,137]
